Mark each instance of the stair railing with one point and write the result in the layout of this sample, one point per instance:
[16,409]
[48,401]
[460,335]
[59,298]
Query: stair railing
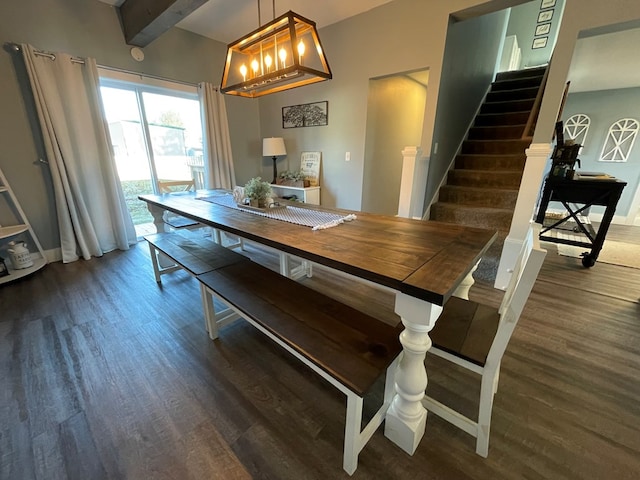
[535,110]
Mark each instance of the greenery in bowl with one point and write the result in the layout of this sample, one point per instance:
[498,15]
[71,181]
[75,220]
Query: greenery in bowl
[296,176]
[257,191]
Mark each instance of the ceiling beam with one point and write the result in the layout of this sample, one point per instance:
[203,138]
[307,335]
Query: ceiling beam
[145,20]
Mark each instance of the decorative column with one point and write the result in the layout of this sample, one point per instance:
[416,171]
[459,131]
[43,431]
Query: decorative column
[406,418]
[537,158]
[413,183]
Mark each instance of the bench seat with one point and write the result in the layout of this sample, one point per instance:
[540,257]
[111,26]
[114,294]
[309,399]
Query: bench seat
[197,256]
[346,347]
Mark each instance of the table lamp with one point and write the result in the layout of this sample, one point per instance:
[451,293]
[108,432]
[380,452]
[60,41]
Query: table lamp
[273,147]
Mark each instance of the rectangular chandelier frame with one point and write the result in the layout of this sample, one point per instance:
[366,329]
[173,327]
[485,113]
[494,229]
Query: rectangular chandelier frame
[282,54]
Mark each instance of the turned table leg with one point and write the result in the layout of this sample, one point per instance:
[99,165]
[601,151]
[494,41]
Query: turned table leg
[406,418]
[158,220]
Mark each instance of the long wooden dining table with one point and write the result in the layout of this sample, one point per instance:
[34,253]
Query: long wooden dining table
[424,262]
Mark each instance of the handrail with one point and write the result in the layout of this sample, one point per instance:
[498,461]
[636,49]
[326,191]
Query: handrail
[535,110]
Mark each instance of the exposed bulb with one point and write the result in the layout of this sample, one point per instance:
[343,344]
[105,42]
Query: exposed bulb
[283,56]
[243,71]
[267,61]
[255,66]
[301,48]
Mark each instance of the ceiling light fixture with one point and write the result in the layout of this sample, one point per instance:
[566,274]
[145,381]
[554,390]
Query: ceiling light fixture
[282,54]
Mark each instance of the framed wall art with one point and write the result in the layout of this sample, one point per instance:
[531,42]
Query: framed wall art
[545,16]
[306,115]
[539,42]
[547,4]
[543,29]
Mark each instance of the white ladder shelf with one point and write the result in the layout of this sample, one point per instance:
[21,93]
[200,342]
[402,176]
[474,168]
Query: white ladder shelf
[19,230]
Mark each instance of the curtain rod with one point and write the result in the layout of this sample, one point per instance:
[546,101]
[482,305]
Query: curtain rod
[80,61]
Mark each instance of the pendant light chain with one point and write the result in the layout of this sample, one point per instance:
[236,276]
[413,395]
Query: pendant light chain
[273,12]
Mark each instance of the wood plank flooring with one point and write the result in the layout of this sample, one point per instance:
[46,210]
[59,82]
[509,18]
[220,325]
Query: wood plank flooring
[105,375]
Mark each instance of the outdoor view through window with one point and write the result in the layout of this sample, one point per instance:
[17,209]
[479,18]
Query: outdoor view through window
[156,137]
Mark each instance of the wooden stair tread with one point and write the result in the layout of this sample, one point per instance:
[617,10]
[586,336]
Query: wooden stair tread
[473,207]
[196,256]
[480,189]
[349,345]
[466,329]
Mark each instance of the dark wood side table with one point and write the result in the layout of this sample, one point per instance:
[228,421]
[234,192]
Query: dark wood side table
[585,191]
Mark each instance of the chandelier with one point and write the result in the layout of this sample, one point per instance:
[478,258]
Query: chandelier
[282,54]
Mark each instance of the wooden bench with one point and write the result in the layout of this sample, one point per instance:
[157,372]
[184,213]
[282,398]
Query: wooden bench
[196,256]
[346,347]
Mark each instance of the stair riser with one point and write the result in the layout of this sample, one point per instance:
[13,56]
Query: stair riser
[502,119]
[497,179]
[508,95]
[516,83]
[493,133]
[486,198]
[494,147]
[489,162]
[505,107]
[498,220]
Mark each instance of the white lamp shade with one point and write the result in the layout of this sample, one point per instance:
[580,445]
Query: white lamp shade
[272,147]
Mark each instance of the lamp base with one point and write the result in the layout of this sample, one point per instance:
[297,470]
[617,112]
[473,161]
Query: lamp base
[275,170]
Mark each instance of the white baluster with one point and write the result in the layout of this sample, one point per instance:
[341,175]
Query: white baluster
[406,418]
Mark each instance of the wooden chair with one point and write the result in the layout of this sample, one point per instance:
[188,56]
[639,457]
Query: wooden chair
[475,337]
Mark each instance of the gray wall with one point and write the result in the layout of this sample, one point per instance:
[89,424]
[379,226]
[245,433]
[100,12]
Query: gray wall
[604,108]
[578,16]
[90,28]
[468,70]
[401,36]
[522,23]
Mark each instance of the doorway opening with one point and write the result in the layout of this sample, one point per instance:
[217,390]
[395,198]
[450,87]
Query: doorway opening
[395,116]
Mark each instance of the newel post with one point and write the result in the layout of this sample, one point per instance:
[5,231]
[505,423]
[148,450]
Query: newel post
[413,183]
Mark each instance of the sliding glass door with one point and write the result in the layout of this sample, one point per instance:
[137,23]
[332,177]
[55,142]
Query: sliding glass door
[157,138]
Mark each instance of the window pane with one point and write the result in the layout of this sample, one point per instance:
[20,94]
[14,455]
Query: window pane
[127,137]
[176,136]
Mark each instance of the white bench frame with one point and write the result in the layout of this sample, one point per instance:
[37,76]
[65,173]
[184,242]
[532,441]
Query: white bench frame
[355,438]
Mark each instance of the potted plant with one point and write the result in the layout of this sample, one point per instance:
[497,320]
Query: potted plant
[257,192]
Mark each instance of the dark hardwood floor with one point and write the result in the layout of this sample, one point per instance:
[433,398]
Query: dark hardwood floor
[104,374]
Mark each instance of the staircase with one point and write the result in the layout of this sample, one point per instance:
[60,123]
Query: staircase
[482,188]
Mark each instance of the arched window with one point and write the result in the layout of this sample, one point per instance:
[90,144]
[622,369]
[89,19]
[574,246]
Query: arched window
[577,127]
[620,140]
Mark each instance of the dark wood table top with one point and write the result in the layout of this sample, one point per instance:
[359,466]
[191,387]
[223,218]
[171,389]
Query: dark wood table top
[423,259]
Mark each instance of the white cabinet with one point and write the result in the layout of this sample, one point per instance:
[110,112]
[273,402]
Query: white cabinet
[19,230]
[309,195]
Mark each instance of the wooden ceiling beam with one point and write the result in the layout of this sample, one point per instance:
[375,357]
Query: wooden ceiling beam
[145,20]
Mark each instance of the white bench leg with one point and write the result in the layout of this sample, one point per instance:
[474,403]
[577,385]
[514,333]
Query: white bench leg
[154,262]
[352,440]
[209,312]
[215,320]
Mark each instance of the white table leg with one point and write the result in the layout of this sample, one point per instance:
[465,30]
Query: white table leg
[406,418]
[158,220]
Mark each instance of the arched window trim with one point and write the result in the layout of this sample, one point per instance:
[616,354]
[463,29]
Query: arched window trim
[620,139]
[577,128]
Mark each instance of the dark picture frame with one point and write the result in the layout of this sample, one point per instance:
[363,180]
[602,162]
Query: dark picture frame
[545,16]
[540,42]
[547,4]
[306,115]
[543,29]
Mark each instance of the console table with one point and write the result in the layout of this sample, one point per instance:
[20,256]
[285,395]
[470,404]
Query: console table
[309,195]
[585,191]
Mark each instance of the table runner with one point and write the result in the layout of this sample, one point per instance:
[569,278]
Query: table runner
[299,216]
